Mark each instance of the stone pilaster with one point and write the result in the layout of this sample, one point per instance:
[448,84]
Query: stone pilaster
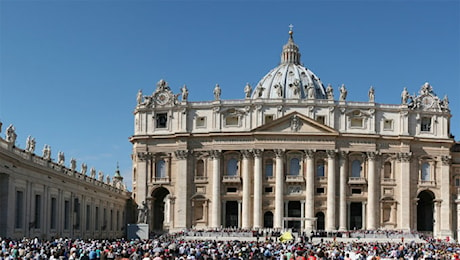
[183,207]
[310,191]
[258,189]
[446,216]
[405,192]
[246,200]
[330,217]
[279,189]
[372,199]
[343,191]
[215,195]
[143,159]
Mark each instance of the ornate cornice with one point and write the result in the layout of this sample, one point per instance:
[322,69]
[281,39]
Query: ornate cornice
[215,154]
[181,154]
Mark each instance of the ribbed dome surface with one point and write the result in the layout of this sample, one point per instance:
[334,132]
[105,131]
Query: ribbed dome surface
[290,79]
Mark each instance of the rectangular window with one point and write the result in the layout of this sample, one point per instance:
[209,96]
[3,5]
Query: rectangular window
[457,182]
[355,191]
[268,189]
[66,215]
[426,124]
[76,210]
[387,124]
[232,121]
[38,211]
[321,119]
[104,219]
[88,217]
[231,190]
[269,168]
[162,120]
[19,210]
[356,122]
[201,121]
[320,190]
[268,118]
[53,216]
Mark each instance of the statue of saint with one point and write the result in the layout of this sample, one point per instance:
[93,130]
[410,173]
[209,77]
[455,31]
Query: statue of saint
[93,173]
[330,92]
[142,213]
[371,94]
[30,144]
[11,134]
[343,93]
[139,97]
[73,164]
[184,91]
[100,176]
[310,91]
[404,96]
[84,168]
[247,90]
[217,92]
[61,158]
[47,152]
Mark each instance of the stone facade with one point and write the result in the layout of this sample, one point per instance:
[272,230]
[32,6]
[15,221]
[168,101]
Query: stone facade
[291,155]
[45,199]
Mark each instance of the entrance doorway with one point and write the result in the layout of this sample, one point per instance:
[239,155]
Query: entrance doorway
[356,215]
[158,209]
[231,214]
[294,211]
[268,219]
[320,222]
[425,210]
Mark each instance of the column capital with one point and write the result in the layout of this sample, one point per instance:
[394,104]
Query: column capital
[310,153]
[144,156]
[181,154]
[246,153]
[446,160]
[258,153]
[331,154]
[215,154]
[371,155]
[279,152]
[405,156]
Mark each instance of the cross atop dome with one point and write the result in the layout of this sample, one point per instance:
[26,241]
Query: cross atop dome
[291,53]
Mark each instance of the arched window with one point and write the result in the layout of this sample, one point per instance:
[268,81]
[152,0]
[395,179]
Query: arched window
[269,168]
[160,169]
[426,175]
[294,167]
[356,168]
[387,170]
[232,167]
[200,168]
[320,169]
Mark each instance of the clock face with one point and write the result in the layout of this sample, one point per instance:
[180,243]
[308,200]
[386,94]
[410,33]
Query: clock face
[162,98]
[427,102]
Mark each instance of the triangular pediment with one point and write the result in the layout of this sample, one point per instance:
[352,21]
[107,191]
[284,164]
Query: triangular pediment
[296,123]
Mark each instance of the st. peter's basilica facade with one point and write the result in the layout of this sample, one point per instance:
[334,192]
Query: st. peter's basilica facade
[294,154]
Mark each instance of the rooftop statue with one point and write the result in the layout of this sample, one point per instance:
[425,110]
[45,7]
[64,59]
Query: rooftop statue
[247,90]
[343,93]
[217,92]
[30,144]
[371,94]
[405,96]
[11,134]
[184,91]
[47,152]
[330,92]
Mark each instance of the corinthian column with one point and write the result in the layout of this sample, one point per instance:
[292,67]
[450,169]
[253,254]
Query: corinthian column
[182,219]
[215,203]
[405,191]
[330,220]
[257,188]
[246,210]
[446,215]
[343,192]
[372,199]
[279,191]
[310,191]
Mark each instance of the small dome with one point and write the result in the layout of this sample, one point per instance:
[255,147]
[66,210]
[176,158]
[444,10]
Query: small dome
[290,79]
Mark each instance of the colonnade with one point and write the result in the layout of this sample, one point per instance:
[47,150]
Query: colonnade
[252,217]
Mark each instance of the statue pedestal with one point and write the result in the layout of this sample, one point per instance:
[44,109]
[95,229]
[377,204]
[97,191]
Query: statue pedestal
[138,231]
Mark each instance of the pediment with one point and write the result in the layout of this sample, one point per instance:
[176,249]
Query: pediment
[296,123]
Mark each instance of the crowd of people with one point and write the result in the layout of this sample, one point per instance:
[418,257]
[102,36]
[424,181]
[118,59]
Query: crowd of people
[175,246]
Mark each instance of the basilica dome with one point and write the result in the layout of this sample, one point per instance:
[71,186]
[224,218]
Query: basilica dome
[290,79]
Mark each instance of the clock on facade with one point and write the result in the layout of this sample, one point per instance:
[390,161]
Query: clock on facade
[162,98]
[427,101]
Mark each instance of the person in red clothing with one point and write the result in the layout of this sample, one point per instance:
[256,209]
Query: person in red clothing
[311,255]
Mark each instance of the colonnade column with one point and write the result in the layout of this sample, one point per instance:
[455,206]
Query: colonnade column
[310,191]
[216,203]
[143,158]
[183,219]
[257,189]
[371,192]
[446,216]
[405,190]
[343,192]
[330,220]
[457,201]
[279,189]
[246,200]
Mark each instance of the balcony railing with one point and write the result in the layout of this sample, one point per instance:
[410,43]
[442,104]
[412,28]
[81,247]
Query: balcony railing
[161,180]
[231,179]
[357,180]
[201,179]
[294,178]
[321,179]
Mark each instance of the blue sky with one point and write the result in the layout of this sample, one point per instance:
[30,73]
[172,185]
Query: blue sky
[70,70]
